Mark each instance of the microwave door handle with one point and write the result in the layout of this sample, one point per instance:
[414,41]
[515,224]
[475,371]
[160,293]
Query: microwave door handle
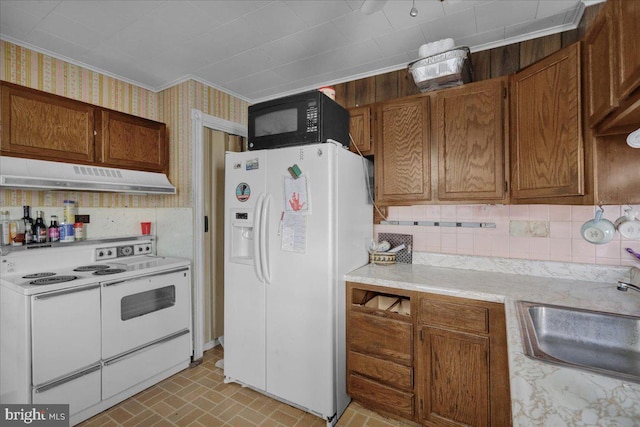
[257,267]
[264,245]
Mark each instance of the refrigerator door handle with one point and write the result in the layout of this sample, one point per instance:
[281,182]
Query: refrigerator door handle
[257,259]
[264,248]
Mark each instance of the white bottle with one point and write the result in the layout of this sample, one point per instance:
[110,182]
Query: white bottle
[4,228]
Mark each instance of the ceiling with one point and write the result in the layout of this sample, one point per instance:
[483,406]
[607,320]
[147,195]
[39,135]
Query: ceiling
[257,50]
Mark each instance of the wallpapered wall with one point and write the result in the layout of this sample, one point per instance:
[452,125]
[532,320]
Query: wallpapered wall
[172,106]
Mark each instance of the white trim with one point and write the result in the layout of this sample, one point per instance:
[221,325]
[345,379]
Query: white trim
[211,344]
[188,77]
[199,121]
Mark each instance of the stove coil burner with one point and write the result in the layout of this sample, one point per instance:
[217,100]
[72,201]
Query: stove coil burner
[109,271]
[38,275]
[91,267]
[52,280]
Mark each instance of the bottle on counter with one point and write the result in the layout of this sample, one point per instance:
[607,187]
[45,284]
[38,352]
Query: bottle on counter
[54,229]
[70,212]
[78,231]
[28,225]
[39,229]
[16,232]
[4,224]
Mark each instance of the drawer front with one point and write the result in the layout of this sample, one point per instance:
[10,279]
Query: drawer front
[453,315]
[391,339]
[383,371]
[382,397]
[79,393]
[124,372]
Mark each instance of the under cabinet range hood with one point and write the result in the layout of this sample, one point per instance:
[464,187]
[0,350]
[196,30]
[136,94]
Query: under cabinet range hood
[16,172]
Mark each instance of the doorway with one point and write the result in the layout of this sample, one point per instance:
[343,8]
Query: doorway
[215,144]
[200,124]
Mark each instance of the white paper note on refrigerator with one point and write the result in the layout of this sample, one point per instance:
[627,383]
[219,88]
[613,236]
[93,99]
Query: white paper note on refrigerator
[294,233]
[296,193]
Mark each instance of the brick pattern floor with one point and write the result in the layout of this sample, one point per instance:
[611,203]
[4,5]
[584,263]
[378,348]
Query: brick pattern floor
[198,396]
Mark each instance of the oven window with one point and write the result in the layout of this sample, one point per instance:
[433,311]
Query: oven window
[147,302]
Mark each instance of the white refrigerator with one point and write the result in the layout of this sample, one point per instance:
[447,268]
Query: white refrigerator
[297,219]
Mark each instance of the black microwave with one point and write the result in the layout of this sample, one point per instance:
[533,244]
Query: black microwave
[304,118]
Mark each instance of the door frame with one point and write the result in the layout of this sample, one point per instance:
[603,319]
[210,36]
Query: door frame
[199,121]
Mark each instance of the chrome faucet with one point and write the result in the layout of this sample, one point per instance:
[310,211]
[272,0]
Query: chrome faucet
[623,286]
[633,283]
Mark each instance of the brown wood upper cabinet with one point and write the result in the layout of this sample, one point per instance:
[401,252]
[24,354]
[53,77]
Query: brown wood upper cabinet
[360,130]
[44,126]
[131,142]
[39,125]
[547,147]
[469,124]
[627,18]
[613,68]
[448,146]
[600,61]
[403,152]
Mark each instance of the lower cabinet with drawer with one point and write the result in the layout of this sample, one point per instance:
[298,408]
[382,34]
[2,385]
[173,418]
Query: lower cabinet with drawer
[440,361]
[462,362]
[380,350]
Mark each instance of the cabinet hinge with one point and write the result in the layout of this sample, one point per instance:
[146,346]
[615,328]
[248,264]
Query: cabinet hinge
[505,92]
[421,405]
[421,335]
[506,186]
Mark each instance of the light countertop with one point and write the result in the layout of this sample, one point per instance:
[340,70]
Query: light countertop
[542,394]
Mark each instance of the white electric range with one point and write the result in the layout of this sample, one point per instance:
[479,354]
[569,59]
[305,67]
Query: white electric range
[92,323]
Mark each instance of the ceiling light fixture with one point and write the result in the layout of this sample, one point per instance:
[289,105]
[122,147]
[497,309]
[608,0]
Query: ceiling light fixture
[413,12]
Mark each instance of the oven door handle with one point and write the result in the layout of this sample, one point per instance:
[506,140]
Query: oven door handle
[70,378]
[129,353]
[144,276]
[65,292]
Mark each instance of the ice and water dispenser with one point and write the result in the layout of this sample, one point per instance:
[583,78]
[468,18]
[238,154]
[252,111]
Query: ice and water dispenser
[241,236]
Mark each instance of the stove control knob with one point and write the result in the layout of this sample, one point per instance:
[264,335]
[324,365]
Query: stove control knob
[140,249]
[109,252]
[101,254]
[148,248]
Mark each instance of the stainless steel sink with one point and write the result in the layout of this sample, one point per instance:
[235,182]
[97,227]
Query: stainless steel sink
[605,343]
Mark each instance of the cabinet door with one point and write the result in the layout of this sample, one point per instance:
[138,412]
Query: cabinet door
[455,368]
[627,16]
[547,152]
[600,56]
[360,130]
[470,125]
[131,142]
[402,166]
[43,126]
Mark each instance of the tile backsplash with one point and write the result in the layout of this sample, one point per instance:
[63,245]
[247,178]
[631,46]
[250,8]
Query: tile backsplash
[517,233]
